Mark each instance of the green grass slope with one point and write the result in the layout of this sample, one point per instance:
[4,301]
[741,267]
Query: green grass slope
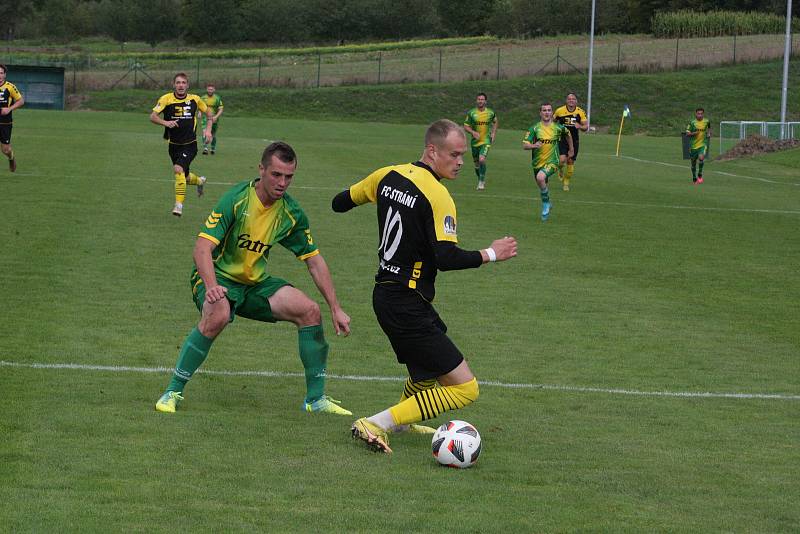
[661,103]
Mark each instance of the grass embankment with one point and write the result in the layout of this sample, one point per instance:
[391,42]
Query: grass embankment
[661,104]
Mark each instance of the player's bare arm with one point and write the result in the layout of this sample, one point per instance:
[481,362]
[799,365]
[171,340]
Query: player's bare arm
[318,269]
[531,146]
[18,104]
[203,249]
[495,125]
[571,151]
[156,119]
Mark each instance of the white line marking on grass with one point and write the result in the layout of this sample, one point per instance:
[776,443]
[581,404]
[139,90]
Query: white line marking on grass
[723,173]
[363,378]
[504,197]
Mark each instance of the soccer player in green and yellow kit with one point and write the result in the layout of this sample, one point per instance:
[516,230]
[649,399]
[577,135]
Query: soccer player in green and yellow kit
[542,140]
[231,277]
[574,118]
[214,103]
[477,123]
[180,122]
[699,130]
[10,99]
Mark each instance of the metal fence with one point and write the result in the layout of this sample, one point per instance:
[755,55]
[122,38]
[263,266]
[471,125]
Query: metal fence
[731,132]
[455,63]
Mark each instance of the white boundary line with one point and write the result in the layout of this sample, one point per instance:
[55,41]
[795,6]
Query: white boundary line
[723,173]
[523,198]
[362,378]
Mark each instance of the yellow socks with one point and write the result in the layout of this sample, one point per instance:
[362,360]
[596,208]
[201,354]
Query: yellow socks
[428,403]
[193,179]
[568,174]
[180,187]
[411,387]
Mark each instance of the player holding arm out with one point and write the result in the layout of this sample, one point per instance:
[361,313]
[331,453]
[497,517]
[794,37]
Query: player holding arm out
[417,232]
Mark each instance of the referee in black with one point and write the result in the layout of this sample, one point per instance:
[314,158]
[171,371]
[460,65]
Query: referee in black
[417,230]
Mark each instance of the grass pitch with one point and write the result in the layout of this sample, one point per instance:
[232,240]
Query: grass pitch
[639,295]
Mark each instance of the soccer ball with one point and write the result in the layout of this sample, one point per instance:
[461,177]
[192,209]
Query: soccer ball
[456,444]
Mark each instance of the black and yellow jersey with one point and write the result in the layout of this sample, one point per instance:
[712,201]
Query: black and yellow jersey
[8,95]
[416,225]
[569,119]
[184,110]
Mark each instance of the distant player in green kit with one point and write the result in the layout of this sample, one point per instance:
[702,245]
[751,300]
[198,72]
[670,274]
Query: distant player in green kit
[699,130]
[231,278]
[214,103]
[478,122]
[542,140]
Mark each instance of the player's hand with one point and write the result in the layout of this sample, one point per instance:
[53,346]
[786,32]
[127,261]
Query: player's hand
[476,135]
[5,111]
[171,124]
[570,154]
[216,293]
[491,139]
[341,322]
[505,248]
[207,137]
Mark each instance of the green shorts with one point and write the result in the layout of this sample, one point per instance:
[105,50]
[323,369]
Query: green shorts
[549,169]
[251,302]
[697,152]
[478,151]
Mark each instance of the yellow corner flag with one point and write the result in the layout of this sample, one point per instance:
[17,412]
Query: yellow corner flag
[625,113]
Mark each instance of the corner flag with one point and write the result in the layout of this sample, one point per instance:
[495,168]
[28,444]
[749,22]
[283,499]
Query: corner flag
[625,113]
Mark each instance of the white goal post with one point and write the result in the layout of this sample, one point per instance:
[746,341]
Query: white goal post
[731,132]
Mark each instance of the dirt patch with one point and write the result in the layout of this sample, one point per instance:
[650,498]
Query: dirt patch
[757,144]
[75,102]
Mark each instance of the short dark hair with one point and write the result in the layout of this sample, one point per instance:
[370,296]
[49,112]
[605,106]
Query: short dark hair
[438,131]
[545,103]
[483,95]
[699,109]
[5,69]
[281,150]
[180,75]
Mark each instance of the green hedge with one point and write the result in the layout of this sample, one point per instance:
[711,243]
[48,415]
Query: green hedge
[688,23]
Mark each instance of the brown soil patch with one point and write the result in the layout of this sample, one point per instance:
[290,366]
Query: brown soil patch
[757,144]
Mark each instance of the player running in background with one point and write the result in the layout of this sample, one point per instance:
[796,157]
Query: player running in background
[699,130]
[417,232]
[180,123]
[10,99]
[574,118]
[231,278]
[214,103]
[477,123]
[542,140]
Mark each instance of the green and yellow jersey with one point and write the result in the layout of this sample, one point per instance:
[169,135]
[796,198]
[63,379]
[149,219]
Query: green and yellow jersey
[415,212]
[481,122]
[184,110]
[699,131]
[549,135]
[8,95]
[244,231]
[214,102]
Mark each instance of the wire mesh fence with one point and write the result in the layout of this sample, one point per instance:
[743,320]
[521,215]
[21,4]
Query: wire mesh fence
[448,64]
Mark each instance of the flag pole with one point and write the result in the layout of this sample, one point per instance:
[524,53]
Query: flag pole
[619,135]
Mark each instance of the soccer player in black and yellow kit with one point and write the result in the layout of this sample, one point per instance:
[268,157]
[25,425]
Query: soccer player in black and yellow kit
[10,99]
[417,231]
[574,118]
[231,277]
[180,122]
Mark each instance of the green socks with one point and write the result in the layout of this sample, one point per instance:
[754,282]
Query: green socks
[314,355]
[545,194]
[694,169]
[701,167]
[482,172]
[193,354]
